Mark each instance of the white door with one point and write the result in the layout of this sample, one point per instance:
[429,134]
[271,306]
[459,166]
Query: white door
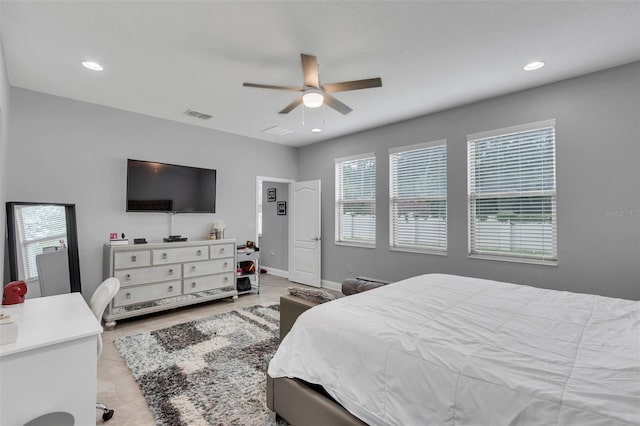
[304,233]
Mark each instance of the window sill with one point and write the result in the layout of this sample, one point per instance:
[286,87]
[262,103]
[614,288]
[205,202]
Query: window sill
[359,245]
[418,251]
[514,259]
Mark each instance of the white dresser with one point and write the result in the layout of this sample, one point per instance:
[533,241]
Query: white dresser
[155,277]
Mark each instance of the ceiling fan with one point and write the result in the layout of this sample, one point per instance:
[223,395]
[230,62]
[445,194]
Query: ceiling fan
[315,94]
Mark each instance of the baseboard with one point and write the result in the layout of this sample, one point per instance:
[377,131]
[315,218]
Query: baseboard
[331,285]
[276,272]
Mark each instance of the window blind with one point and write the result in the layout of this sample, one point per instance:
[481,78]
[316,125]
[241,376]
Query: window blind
[38,227]
[356,200]
[418,197]
[512,193]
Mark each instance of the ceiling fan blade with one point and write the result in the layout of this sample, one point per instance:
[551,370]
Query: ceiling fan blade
[292,105]
[336,104]
[352,85]
[310,70]
[267,86]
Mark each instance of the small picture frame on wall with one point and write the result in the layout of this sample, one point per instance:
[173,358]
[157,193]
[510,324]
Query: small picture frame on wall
[282,208]
[271,194]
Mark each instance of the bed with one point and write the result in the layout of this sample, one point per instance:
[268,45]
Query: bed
[451,350]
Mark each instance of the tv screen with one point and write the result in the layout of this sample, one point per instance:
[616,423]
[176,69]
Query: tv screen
[160,187]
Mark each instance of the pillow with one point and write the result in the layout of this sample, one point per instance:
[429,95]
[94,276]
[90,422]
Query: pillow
[358,285]
[311,294]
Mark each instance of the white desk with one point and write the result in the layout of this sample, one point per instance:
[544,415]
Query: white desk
[52,365]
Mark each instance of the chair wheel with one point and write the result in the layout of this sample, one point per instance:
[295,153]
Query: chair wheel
[106,416]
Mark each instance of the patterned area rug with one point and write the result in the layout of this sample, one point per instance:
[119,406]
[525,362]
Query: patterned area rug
[207,372]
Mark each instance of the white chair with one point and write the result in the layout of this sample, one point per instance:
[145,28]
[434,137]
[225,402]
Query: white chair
[98,303]
[59,418]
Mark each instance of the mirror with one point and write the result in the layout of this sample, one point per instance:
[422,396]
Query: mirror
[43,246]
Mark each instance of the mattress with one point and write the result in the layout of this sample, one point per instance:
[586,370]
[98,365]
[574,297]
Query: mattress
[444,349]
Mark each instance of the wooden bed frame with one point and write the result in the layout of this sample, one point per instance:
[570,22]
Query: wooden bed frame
[300,403]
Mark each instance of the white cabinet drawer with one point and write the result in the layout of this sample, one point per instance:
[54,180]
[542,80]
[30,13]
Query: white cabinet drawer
[251,255]
[210,267]
[221,250]
[180,254]
[130,259]
[129,277]
[129,296]
[209,282]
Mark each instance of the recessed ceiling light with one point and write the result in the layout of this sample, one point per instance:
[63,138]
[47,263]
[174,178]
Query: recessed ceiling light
[316,130]
[535,65]
[93,66]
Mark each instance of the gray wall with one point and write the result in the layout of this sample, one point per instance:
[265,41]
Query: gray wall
[598,186]
[61,150]
[274,243]
[4,112]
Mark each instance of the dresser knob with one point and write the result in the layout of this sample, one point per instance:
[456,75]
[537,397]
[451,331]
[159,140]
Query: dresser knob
[226,279]
[199,252]
[128,295]
[164,255]
[193,285]
[133,258]
[193,268]
[226,264]
[128,276]
[170,271]
[170,288]
[222,250]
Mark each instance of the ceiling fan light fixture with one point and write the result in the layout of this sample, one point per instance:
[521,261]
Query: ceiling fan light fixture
[312,98]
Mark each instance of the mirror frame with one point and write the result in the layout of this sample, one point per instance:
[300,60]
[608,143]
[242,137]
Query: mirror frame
[72,241]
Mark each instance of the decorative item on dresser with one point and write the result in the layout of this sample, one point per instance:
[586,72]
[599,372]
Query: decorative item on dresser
[168,275]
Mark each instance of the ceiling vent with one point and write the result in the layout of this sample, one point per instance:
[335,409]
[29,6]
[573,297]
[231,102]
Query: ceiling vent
[198,115]
[278,131]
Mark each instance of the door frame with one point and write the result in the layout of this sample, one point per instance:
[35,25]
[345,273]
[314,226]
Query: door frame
[259,194]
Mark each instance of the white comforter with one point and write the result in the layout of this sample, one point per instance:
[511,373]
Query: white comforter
[449,350]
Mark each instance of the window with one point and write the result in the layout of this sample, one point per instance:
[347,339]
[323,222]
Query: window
[356,200]
[418,197]
[38,227]
[512,194]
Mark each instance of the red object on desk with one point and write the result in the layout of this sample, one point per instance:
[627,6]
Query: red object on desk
[13,293]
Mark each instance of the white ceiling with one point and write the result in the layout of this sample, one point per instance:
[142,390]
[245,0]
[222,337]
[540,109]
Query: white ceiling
[164,57]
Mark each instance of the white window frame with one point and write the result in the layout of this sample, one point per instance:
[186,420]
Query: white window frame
[394,200]
[339,202]
[471,197]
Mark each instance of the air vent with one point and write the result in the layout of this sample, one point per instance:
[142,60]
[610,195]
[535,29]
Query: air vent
[198,115]
[278,131]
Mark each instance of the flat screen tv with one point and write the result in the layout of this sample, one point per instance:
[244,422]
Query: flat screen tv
[160,187]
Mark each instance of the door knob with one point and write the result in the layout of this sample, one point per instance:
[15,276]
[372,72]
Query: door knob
[315,239]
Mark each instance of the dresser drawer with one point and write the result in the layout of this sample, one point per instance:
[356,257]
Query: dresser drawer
[129,296]
[221,250]
[209,282]
[180,254]
[129,277]
[130,259]
[209,267]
